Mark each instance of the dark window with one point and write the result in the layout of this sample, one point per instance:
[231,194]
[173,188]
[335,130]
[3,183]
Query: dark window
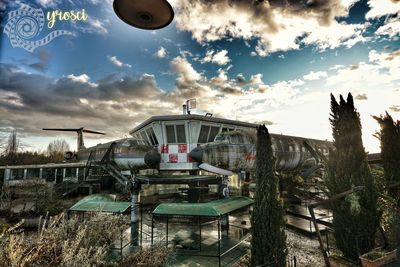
[180,133]
[133,142]
[143,135]
[203,137]
[220,137]
[213,132]
[175,134]
[152,136]
[170,133]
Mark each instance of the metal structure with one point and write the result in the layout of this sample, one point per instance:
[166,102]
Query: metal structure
[201,214]
[236,151]
[186,140]
[165,143]
[127,154]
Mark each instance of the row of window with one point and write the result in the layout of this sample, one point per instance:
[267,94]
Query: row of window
[176,134]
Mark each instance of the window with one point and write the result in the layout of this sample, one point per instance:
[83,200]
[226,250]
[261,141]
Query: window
[143,135]
[180,133]
[220,137]
[152,136]
[227,130]
[175,134]
[204,134]
[170,133]
[213,132]
[208,133]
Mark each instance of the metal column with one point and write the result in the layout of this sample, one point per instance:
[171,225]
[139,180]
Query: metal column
[166,236]
[219,243]
[134,218]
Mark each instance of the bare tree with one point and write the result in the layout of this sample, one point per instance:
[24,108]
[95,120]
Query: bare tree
[12,144]
[56,150]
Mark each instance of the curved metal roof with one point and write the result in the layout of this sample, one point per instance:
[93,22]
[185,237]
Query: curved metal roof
[214,208]
[100,203]
[191,117]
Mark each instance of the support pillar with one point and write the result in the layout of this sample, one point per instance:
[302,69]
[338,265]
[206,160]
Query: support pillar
[135,189]
[219,243]
[134,218]
[225,223]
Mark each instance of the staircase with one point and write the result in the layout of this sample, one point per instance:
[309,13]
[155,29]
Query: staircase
[93,173]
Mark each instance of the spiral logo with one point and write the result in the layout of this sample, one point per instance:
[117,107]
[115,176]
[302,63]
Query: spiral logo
[26,23]
[27,27]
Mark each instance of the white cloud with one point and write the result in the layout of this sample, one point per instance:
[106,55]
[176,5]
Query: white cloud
[114,60]
[374,85]
[48,3]
[379,8]
[83,78]
[161,53]
[276,26]
[220,58]
[391,28]
[377,82]
[98,26]
[335,35]
[312,76]
[187,73]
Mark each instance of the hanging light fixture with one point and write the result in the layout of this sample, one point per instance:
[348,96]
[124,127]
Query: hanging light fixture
[144,14]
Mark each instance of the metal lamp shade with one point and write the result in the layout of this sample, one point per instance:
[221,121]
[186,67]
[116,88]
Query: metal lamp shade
[144,14]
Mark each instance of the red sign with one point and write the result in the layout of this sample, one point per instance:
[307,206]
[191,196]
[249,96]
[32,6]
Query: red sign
[182,148]
[173,158]
[164,148]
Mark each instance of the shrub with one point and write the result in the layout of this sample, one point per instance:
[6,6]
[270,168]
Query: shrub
[61,242]
[356,218]
[268,244]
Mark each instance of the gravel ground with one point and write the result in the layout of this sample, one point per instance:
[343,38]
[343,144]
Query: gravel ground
[305,249]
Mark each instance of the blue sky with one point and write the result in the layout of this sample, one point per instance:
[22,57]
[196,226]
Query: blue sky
[271,62]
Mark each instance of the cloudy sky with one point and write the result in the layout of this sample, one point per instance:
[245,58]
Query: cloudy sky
[258,61]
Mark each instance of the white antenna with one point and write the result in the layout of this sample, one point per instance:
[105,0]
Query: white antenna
[190,104]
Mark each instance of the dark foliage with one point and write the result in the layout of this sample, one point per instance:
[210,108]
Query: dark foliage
[267,220]
[22,158]
[389,136]
[355,218]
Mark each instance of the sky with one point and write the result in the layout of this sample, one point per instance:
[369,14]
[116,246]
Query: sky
[273,62]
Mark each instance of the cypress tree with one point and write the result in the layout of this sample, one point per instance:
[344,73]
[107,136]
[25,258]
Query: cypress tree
[268,245]
[389,136]
[355,218]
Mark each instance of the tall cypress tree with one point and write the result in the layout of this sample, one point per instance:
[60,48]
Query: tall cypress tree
[268,245]
[355,218]
[389,136]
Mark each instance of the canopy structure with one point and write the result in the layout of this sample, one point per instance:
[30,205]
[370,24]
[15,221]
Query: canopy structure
[100,203]
[177,179]
[202,214]
[214,208]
